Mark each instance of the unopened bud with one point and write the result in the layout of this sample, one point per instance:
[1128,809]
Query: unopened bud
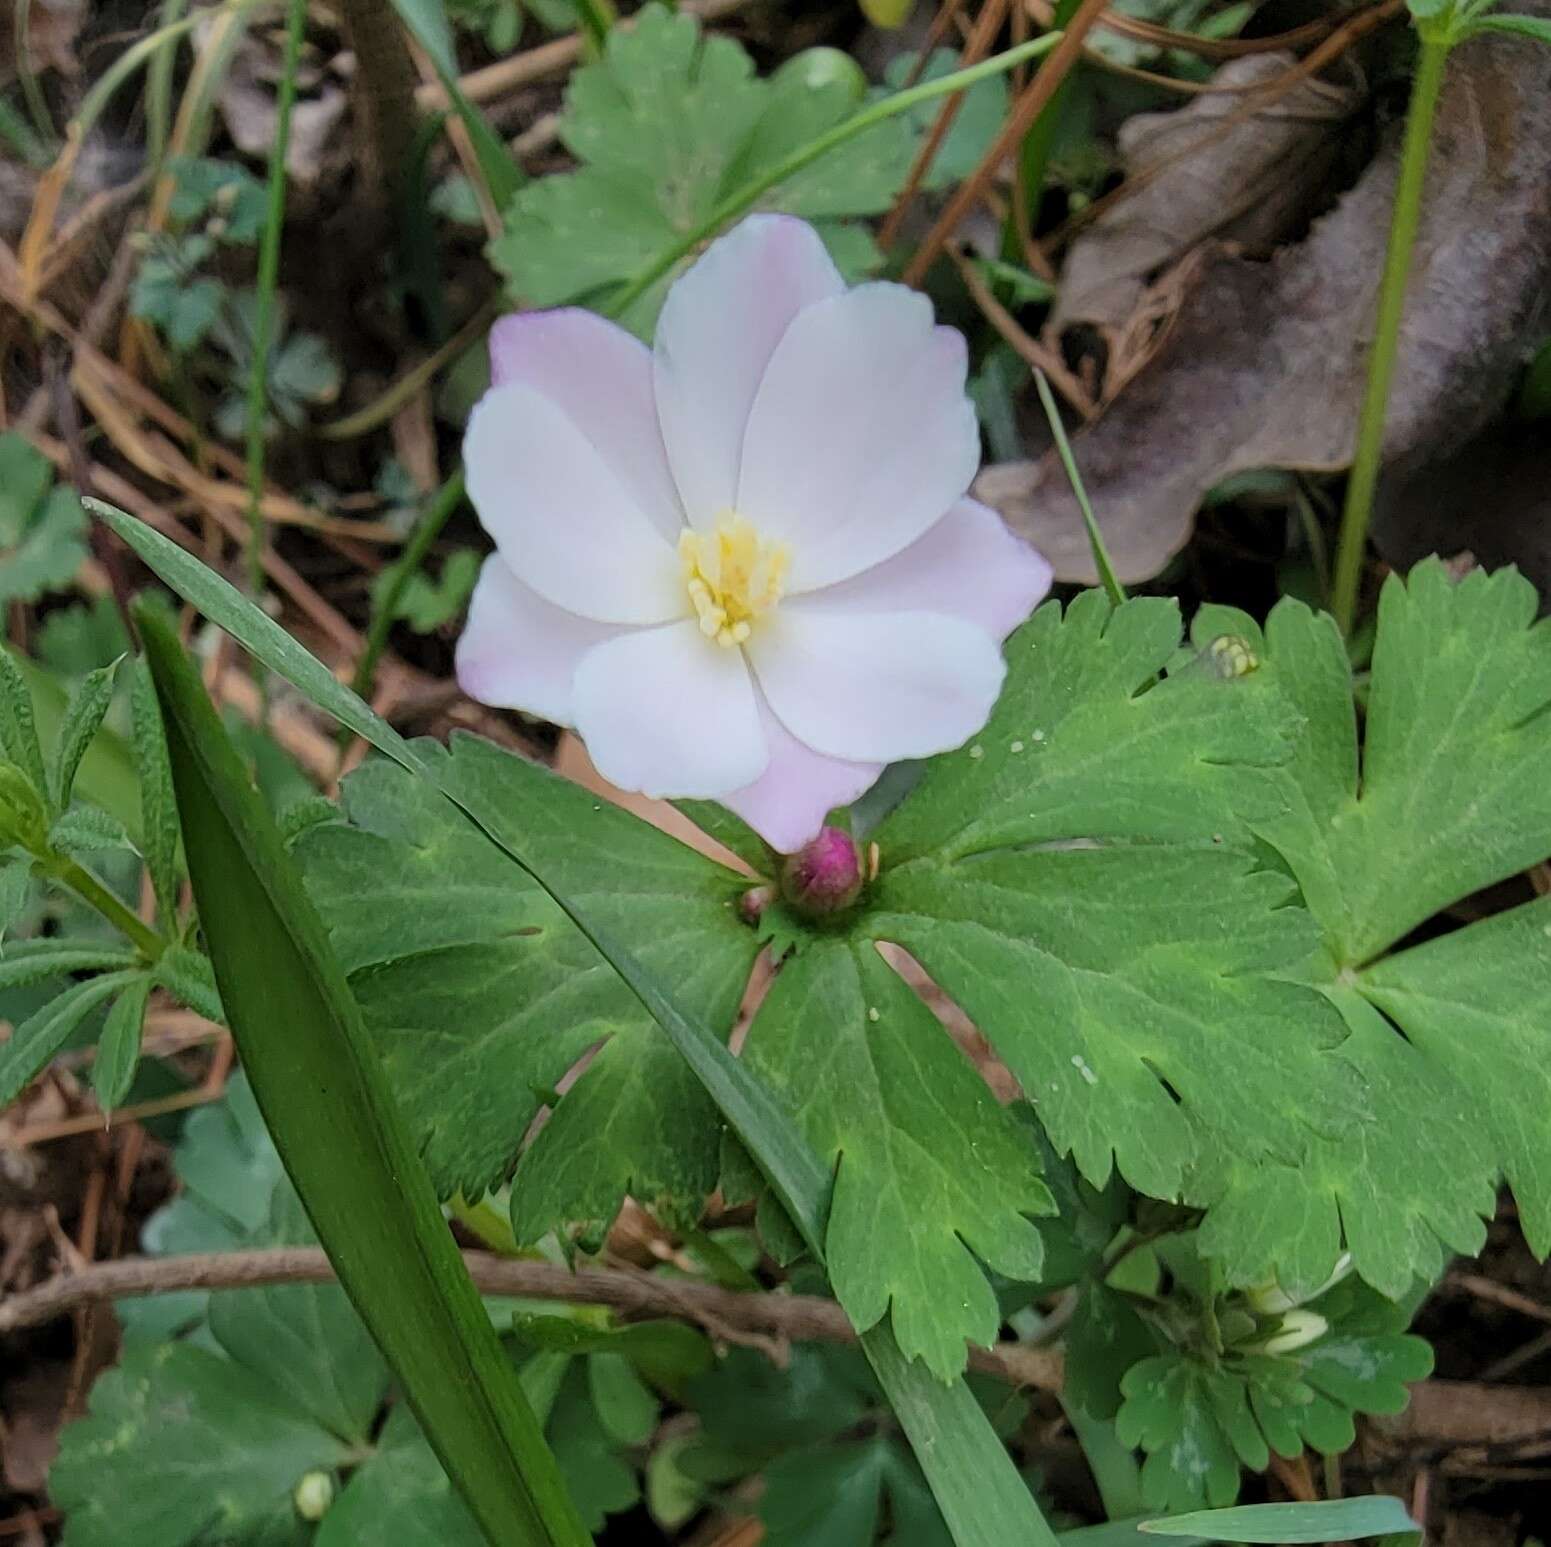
[824,876]
[314,1493]
[1298,1329]
[752,904]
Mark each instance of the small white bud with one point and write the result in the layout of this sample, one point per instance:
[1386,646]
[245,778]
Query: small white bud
[1299,1328]
[314,1493]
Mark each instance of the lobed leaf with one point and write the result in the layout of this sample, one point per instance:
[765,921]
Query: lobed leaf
[181,1445]
[482,995]
[930,1173]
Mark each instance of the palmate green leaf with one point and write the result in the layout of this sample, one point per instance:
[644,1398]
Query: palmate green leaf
[1450,794]
[667,125]
[401,1495]
[227,1168]
[335,1124]
[970,1473]
[482,995]
[305,1338]
[931,1173]
[1446,796]
[181,1445]
[1072,879]
[1201,1421]
[1474,1004]
[41,527]
[1085,743]
[1401,1201]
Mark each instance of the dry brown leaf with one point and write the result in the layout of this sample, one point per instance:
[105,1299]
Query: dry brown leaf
[1265,363]
[1211,169]
[318,145]
[52,28]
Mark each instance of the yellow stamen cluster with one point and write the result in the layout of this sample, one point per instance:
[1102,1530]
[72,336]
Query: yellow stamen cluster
[733,575]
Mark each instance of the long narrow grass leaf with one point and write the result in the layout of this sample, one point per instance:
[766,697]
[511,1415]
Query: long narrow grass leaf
[339,1132]
[1326,1520]
[426,22]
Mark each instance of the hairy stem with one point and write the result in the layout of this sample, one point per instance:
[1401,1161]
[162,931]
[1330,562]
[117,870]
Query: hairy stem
[96,896]
[1364,476]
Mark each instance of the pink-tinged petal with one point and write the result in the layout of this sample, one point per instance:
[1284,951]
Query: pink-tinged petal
[600,378]
[718,329]
[861,435]
[668,712]
[518,651]
[876,687]
[787,804]
[561,518]
[968,565]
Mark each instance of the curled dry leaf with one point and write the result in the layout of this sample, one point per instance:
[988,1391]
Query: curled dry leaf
[247,103]
[1221,167]
[52,28]
[1265,361]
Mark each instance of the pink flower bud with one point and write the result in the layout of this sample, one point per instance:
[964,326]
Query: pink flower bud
[824,876]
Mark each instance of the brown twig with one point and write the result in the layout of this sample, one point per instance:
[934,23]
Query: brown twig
[798,1318]
[1034,354]
[1188,42]
[553,58]
[1047,80]
[987,24]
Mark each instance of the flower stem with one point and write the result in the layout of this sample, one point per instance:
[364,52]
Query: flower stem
[1364,476]
[789,166]
[96,896]
[268,277]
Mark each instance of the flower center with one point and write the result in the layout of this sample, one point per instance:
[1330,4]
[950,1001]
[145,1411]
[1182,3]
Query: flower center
[733,575]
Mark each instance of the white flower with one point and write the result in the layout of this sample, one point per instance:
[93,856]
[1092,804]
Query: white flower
[741,566]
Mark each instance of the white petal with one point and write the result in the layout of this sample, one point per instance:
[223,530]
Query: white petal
[670,713]
[787,804]
[876,687]
[600,378]
[861,435]
[718,329]
[968,565]
[562,520]
[518,651]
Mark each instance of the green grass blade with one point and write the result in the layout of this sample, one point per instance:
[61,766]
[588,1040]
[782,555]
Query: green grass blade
[339,1132]
[426,22]
[1328,1520]
[984,1501]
